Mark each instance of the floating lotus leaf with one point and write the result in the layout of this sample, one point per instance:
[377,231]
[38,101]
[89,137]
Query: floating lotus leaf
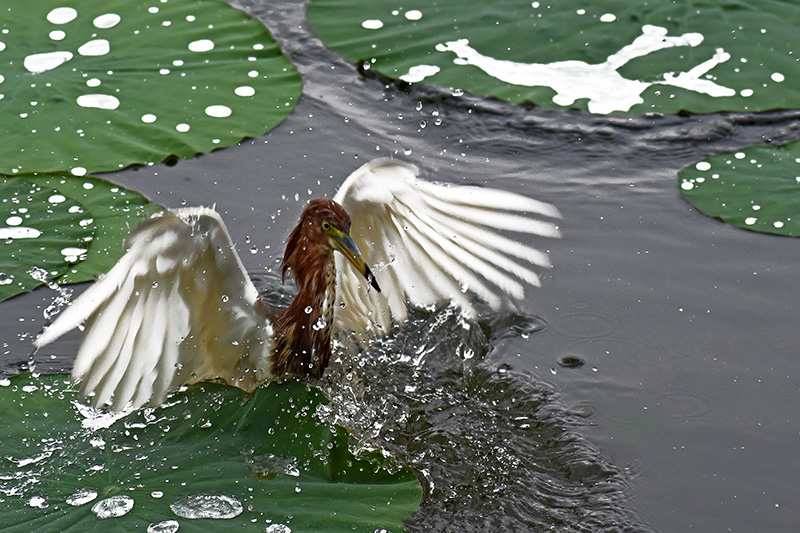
[757,188]
[604,56]
[98,85]
[213,459]
[70,228]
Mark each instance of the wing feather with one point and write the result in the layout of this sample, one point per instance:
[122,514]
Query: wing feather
[177,308]
[430,243]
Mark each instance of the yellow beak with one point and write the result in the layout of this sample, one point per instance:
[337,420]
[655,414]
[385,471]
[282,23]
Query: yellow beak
[344,243]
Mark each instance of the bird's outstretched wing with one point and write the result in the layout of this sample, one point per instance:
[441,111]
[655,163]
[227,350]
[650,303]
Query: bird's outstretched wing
[177,308]
[428,244]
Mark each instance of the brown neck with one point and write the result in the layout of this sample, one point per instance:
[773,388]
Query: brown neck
[303,331]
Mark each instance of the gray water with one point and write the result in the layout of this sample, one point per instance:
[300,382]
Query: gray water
[651,384]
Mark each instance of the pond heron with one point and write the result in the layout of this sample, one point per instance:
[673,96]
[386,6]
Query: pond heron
[179,307]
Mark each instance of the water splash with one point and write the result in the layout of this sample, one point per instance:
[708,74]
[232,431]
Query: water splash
[64,294]
[493,448]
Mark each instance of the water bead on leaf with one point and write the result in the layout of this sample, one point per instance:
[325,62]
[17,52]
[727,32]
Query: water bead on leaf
[128,43]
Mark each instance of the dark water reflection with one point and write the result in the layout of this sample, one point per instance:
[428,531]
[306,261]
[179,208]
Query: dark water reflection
[684,413]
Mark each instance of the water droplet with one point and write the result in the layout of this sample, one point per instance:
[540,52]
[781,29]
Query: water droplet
[56,199]
[413,14]
[218,111]
[702,166]
[113,507]
[308,310]
[608,17]
[165,526]
[278,528]
[95,47]
[244,90]
[219,506]
[148,118]
[109,20]
[201,45]
[372,24]
[79,171]
[39,502]
[777,77]
[183,127]
[36,63]
[14,221]
[81,497]
[98,101]
[225,298]
[57,35]
[62,15]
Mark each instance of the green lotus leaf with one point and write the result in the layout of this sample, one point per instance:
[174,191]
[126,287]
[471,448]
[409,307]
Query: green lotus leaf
[68,228]
[104,84]
[212,459]
[604,56]
[757,188]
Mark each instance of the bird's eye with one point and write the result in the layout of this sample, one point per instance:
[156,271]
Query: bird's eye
[326,225]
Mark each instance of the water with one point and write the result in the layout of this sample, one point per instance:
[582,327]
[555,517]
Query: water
[113,507]
[216,506]
[683,415]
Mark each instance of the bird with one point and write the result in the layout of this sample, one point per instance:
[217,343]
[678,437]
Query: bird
[179,306]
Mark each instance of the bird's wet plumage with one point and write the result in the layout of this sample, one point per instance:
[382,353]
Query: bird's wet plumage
[303,331]
[179,307]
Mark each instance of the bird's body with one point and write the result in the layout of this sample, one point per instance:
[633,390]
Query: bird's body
[179,307]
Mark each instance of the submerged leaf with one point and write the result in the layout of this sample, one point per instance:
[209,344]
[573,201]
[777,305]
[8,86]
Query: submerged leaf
[211,453]
[109,83]
[756,188]
[604,56]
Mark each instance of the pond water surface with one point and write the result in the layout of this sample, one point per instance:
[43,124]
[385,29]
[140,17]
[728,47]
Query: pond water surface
[651,384]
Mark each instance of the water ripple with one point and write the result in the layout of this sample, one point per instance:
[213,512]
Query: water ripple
[493,448]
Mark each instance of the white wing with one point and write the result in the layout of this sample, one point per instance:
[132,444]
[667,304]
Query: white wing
[176,309]
[429,244]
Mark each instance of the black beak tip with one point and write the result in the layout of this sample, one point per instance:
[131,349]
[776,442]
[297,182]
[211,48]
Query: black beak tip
[371,279]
